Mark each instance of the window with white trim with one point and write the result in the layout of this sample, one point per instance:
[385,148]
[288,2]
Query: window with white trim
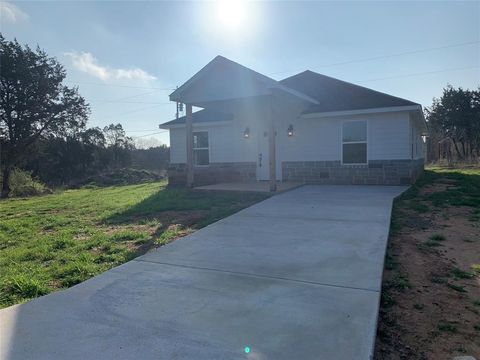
[354,142]
[201,156]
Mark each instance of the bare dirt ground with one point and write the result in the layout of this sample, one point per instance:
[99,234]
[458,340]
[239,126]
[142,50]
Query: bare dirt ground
[431,289]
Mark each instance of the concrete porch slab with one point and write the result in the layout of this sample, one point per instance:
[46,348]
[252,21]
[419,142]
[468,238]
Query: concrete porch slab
[258,186]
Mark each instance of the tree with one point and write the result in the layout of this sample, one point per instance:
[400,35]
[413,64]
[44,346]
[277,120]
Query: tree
[455,117]
[119,144]
[33,103]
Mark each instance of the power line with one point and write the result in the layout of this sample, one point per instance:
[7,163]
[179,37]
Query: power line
[129,102]
[133,111]
[117,85]
[140,130]
[386,56]
[155,133]
[418,74]
[134,96]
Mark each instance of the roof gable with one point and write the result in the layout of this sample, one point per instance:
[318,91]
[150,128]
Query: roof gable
[224,79]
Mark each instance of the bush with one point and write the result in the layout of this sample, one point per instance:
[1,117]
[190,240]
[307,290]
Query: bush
[22,184]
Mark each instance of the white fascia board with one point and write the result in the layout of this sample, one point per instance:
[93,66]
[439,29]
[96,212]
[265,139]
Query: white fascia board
[361,111]
[195,125]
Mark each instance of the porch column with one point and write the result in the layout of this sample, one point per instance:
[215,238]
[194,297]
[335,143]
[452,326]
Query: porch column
[271,146]
[189,140]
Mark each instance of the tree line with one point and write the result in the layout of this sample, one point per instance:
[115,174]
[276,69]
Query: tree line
[454,126]
[43,124]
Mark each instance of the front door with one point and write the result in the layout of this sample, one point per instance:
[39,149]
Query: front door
[263,167]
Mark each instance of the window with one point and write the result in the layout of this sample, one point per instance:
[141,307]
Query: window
[354,142]
[200,148]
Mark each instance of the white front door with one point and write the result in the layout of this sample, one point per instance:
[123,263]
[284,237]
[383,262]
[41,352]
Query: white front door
[263,167]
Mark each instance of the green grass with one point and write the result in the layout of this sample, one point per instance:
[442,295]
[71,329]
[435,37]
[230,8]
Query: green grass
[458,288]
[399,282]
[447,327]
[56,241]
[476,268]
[461,274]
[438,237]
[387,300]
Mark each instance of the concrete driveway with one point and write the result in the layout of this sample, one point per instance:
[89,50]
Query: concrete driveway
[297,276]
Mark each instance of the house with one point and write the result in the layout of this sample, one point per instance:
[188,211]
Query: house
[307,128]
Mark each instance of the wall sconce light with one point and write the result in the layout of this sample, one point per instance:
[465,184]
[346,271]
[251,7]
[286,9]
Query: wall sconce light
[290,130]
[246,133]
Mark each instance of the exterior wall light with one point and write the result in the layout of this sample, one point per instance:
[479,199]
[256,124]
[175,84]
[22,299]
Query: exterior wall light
[290,130]
[246,133]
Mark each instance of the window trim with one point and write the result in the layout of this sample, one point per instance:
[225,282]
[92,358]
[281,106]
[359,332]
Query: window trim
[201,148]
[354,142]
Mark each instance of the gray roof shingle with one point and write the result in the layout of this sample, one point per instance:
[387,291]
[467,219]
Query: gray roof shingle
[337,95]
[332,95]
[201,116]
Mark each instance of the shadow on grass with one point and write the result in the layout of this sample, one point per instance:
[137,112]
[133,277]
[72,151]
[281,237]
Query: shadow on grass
[178,211]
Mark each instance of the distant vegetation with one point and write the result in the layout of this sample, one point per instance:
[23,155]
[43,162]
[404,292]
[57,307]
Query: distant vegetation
[454,127]
[44,137]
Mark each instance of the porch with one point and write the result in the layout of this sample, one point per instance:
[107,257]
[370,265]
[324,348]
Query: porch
[257,186]
[255,105]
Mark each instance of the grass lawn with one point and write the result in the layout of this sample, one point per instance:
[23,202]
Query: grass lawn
[56,241]
[430,305]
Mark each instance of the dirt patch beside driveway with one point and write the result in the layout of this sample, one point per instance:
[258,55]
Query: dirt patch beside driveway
[431,286]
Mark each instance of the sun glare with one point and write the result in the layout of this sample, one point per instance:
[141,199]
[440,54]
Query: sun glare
[232,13]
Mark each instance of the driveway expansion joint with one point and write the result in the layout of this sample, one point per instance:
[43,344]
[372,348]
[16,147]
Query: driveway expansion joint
[259,276]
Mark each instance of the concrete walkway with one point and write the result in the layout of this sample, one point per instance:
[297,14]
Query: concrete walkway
[297,276]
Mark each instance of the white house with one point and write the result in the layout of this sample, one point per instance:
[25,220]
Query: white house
[306,128]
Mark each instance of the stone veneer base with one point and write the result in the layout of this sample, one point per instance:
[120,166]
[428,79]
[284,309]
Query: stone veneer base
[377,172]
[213,173]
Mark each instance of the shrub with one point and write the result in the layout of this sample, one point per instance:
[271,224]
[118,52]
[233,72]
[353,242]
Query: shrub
[438,237]
[22,184]
[446,326]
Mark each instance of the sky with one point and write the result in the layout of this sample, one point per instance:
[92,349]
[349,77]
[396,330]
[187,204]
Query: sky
[126,57]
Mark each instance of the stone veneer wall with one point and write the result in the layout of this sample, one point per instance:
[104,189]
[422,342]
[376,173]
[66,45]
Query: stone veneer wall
[377,172]
[213,173]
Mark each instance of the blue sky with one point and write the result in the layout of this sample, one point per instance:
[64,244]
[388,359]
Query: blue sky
[127,56]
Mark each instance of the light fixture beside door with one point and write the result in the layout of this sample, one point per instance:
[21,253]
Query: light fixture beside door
[290,130]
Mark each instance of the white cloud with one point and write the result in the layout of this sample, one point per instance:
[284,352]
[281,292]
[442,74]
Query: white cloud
[11,13]
[86,62]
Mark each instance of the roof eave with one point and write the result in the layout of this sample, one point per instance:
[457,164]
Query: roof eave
[195,124]
[361,111]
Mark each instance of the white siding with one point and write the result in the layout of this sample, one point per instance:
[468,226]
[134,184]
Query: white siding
[317,139]
[226,143]
[416,142]
[320,138]
[388,136]
[178,146]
